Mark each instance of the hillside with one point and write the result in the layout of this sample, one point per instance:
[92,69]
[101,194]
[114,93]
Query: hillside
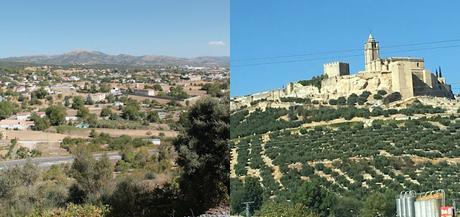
[350,147]
[83,57]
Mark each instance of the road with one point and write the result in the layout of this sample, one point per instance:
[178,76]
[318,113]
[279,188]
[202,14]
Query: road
[45,162]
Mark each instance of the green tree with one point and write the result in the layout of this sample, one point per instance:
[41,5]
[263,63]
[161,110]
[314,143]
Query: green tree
[7,109]
[352,99]
[213,89]
[39,94]
[83,112]
[74,210]
[153,117]
[315,197]
[157,87]
[56,114]
[77,102]
[178,93]
[347,207]
[378,97]
[131,110]
[104,88]
[284,209]
[203,150]
[106,112]
[93,177]
[39,123]
[379,204]
[341,100]
[250,192]
[131,198]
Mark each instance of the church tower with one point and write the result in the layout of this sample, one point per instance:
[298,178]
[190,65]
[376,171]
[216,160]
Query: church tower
[371,52]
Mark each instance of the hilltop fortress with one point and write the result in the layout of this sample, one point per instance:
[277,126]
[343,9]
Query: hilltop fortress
[405,75]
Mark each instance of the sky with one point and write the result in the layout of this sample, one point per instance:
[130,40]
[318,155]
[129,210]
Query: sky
[158,27]
[263,29]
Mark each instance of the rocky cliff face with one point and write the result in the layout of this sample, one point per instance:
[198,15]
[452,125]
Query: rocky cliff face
[335,87]
[358,83]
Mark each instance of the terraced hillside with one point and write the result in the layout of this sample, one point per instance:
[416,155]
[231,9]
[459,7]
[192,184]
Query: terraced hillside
[349,151]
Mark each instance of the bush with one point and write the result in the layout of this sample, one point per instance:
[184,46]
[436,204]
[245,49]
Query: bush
[378,97]
[315,81]
[341,100]
[74,210]
[393,97]
[275,209]
[332,102]
[352,99]
[381,92]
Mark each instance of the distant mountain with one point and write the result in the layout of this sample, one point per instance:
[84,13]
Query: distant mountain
[83,57]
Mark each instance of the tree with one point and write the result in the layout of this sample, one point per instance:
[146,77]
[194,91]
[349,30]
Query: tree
[313,196]
[178,93]
[56,114]
[104,88]
[393,97]
[341,100]
[83,112]
[347,207]
[332,102]
[285,209]
[93,178]
[382,92]
[132,198]
[378,97]
[75,210]
[77,102]
[7,109]
[153,117]
[157,87]
[106,112]
[213,89]
[39,94]
[131,110]
[22,153]
[379,204]
[250,192]
[89,101]
[203,149]
[352,99]
[66,101]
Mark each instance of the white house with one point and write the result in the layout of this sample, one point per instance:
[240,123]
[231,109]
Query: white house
[97,97]
[23,116]
[144,92]
[10,124]
[71,118]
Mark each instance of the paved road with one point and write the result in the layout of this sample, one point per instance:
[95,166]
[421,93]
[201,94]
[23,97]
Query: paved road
[45,162]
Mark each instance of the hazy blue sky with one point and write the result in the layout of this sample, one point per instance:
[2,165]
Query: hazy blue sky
[267,28]
[168,27]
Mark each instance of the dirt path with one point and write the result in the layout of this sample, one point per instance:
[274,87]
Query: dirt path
[233,162]
[276,169]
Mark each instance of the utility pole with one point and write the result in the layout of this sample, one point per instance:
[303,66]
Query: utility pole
[248,214]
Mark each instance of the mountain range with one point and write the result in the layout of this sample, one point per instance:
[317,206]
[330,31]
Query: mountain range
[84,57]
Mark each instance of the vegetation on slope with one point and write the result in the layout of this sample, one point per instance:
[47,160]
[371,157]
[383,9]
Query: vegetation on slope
[356,168]
[145,184]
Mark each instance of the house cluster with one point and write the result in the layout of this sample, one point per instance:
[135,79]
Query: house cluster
[20,121]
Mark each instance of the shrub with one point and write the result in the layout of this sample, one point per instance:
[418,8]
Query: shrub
[381,92]
[393,97]
[378,97]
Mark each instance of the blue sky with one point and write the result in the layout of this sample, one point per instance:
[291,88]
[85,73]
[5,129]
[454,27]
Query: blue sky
[166,27]
[271,28]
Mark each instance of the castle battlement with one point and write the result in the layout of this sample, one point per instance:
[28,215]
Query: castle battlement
[406,75]
[334,63]
[333,69]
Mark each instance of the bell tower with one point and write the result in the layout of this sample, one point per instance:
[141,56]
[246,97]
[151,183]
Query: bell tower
[371,52]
